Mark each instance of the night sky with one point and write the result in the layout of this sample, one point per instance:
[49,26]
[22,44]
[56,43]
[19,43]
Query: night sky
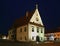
[13,9]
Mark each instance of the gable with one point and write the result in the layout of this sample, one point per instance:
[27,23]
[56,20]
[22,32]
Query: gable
[36,18]
[33,16]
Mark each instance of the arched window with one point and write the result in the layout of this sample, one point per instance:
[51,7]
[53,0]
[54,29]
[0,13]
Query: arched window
[37,38]
[37,29]
[41,30]
[32,29]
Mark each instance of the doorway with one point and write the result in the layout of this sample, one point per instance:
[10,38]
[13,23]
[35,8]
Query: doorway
[37,38]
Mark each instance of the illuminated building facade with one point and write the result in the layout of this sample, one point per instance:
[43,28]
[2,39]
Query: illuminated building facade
[28,28]
[53,36]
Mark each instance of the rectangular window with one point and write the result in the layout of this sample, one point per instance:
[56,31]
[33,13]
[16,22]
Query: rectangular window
[41,30]
[32,38]
[32,29]
[25,29]
[41,38]
[25,38]
[37,29]
[20,29]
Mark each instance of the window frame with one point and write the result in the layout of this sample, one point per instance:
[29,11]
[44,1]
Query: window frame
[32,28]
[25,38]
[37,29]
[24,29]
[41,30]
[20,29]
[32,37]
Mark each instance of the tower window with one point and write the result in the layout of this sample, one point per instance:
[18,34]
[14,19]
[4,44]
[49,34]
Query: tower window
[36,14]
[32,29]
[37,29]
[37,19]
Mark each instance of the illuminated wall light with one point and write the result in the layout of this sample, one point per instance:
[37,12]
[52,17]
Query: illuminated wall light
[4,37]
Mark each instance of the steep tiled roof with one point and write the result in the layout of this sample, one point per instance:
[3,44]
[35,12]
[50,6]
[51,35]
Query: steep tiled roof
[23,20]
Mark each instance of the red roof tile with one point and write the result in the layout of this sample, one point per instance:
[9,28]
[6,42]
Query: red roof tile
[23,20]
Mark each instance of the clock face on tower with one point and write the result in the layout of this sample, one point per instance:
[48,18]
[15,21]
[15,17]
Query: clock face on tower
[37,19]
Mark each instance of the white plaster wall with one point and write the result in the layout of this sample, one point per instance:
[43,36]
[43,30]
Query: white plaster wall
[22,34]
[35,32]
[32,33]
[41,34]
[33,19]
[36,14]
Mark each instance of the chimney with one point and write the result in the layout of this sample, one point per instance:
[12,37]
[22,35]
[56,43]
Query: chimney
[27,14]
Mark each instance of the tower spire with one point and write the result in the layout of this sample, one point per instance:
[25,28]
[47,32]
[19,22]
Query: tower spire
[36,6]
